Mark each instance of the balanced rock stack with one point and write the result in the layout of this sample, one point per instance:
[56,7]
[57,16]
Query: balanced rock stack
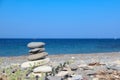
[37,55]
[37,51]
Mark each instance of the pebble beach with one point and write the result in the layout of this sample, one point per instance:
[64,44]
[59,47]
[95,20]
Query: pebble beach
[103,57]
[99,62]
[87,58]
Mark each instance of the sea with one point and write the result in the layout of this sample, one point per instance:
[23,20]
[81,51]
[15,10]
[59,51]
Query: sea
[18,47]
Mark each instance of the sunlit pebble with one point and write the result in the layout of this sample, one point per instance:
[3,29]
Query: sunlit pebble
[73,57]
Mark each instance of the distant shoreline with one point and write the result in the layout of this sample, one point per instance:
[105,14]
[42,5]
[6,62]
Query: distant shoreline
[70,54]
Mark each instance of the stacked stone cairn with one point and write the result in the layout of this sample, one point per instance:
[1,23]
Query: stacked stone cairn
[37,59]
[39,64]
[37,51]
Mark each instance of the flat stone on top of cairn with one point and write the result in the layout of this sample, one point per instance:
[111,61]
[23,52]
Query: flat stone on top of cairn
[35,45]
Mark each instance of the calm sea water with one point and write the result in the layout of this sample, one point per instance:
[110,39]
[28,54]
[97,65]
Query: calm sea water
[17,47]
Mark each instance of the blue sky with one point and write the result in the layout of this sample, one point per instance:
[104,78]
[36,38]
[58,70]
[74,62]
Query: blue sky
[59,18]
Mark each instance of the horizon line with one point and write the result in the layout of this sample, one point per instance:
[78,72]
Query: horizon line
[60,38]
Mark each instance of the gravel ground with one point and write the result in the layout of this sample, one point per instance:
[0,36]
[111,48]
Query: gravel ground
[102,61]
[79,58]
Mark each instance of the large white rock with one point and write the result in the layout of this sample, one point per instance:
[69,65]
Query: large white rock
[42,69]
[95,79]
[35,74]
[35,44]
[35,63]
[62,73]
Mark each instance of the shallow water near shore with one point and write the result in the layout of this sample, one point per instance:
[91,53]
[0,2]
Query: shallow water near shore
[17,47]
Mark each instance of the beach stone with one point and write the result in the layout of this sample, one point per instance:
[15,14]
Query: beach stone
[35,63]
[88,68]
[77,77]
[82,65]
[54,78]
[73,67]
[42,69]
[34,74]
[37,56]
[62,73]
[35,45]
[113,67]
[98,68]
[116,62]
[95,79]
[36,50]
[90,72]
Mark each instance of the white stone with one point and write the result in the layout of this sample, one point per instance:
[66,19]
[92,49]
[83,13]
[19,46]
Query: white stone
[35,44]
[82,65]
[116,62]
[54,78]
[95,79]
[62,73]
[15,64]
[42,69]
[77,77]
[35,63]
[72,57]
[35,74]
[73,66]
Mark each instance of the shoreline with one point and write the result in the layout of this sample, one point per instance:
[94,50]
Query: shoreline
[99,53]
